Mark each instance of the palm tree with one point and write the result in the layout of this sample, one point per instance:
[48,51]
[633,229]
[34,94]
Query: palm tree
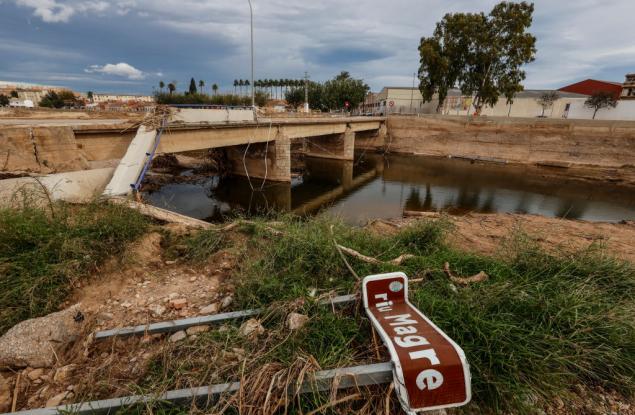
[281,85]
[161,86]
[215,89]
[201,84]
[240,85]
[235,85]
[172,87]
[247,83]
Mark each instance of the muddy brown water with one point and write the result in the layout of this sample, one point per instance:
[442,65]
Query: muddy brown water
[374,186]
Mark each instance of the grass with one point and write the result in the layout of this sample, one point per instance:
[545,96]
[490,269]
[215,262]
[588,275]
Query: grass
[194,247]
[538,326]
[44,252]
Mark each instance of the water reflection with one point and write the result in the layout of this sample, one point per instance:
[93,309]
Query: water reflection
[375,187]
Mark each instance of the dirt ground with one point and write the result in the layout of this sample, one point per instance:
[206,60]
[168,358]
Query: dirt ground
[484,233]
[64,114]
[488,233]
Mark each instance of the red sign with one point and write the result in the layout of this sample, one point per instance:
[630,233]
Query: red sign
[391,103]
[430,370]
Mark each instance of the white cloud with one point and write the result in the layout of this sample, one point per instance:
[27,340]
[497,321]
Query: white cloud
[55,11]
[121,69]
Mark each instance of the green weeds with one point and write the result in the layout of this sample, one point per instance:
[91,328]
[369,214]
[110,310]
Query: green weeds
[42,252]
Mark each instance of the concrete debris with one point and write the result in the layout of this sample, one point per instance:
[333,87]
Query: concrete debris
[227,301]
[296,321]
[196,330]
[177,337]
[35,374]
[251,328]
[157,310]
[178,303]
[103,317]
[36,342]
[57,399]
[210,309]
[64,373]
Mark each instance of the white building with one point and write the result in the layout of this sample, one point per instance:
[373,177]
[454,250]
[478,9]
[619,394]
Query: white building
[102,98]
[406,100]
[18,103]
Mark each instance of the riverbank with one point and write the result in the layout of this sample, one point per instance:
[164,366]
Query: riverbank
[543,317]
[594,150]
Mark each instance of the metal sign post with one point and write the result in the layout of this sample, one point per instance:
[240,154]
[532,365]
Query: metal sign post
[430,370]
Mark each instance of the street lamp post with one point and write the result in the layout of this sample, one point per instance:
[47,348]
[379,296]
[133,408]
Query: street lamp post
[253,96]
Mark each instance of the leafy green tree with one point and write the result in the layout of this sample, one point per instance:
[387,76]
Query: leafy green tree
[4,100]
[59,100]
[89,95]
[332,95]
[482,54]
[546,100]
[600,100]
[344,89]
[215,88]
[192,89]
[201,85]
[14,94]
[161,85]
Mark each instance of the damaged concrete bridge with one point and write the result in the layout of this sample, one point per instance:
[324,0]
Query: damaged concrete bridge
[259,148]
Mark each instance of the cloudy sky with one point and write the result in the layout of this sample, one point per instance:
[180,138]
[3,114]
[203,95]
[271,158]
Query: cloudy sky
[130,45]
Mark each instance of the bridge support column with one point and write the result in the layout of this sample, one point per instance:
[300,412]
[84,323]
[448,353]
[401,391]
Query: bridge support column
[336,146]
[271,161]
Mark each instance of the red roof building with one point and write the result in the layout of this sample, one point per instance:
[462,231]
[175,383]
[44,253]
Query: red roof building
[591,86]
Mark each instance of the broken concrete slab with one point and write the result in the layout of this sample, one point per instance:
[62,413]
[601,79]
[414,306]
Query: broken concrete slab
[35,342]
[75,187]
[131,165]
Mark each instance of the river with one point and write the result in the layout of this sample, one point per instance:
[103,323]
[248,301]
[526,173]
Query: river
[374,186]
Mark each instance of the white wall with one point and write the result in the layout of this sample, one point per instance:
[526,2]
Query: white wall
[624,111]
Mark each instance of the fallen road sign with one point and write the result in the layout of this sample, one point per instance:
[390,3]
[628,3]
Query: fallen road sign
[430,371]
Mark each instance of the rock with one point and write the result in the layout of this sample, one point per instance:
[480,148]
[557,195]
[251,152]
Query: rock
[171,262]
[178,303]
[64,373]
[210,309]
[177,337]
[251,328]
[103,317]
[296,321]
[35,342]
[126,305]
[227,301]
[157,310]
[35,374]
[56,400]
[196,330]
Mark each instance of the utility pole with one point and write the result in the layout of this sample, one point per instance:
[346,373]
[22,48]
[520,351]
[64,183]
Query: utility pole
[306,92]
[412,91]
[253,95]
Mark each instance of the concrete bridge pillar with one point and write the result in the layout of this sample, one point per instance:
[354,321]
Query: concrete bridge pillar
[271,161]
[335,146]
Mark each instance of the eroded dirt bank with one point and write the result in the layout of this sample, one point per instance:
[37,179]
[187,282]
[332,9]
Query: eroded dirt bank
[489,234]
[596,150]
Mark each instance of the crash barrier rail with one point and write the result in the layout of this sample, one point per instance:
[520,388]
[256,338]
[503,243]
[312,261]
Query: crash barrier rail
[429,370]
